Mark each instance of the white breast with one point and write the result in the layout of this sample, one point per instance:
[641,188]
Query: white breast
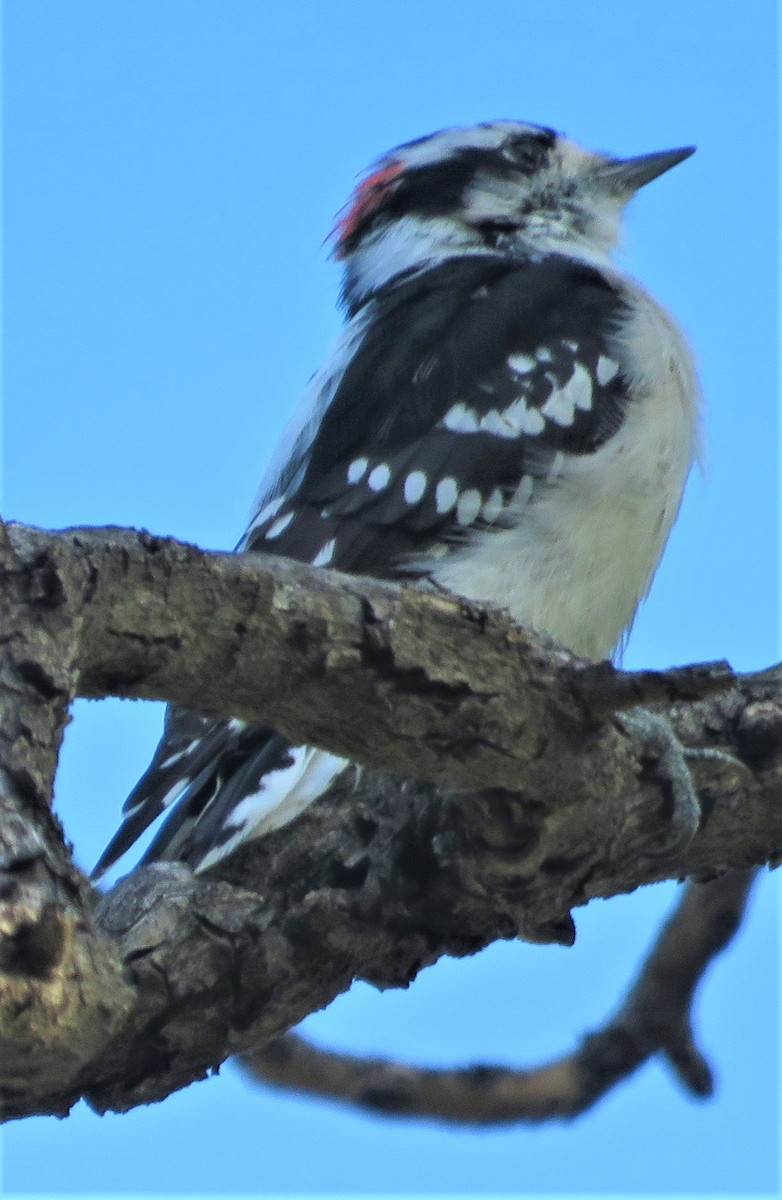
[587,541]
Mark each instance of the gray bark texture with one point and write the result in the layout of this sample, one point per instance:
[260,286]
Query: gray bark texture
[500,787]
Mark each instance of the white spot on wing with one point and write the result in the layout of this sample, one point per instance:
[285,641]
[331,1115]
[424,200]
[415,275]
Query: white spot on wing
[278,526]
[495,422]
[446,494]
[357,469]
[460,419]
[379,477]
[469,506]
[325,554]
[579,387]
[543,354]
[521,363]
[172,758]
[267,511]
[415,486]
[525,419]
[493,506]
[175,792]
[606,370]
[559,407]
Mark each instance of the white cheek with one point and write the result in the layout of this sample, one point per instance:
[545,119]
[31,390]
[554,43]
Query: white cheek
[403,245]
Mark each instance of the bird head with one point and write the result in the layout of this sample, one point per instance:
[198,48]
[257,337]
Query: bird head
[502,187]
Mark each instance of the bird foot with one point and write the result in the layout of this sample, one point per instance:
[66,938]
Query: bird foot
[669,762]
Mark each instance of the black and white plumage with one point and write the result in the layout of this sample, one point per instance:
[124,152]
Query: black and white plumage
[506,415]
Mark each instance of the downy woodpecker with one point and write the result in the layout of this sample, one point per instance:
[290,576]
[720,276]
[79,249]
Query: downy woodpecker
[507,415]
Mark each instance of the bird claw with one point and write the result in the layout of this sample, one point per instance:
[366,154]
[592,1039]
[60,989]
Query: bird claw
[709,766]
[660,743]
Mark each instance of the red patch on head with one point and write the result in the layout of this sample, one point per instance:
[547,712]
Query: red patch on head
[367,198]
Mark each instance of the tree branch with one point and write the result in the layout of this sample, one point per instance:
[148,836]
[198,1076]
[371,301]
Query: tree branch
[654,1018]
[362,668]
[528,801]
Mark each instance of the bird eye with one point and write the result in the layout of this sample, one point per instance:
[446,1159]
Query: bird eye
[528,150]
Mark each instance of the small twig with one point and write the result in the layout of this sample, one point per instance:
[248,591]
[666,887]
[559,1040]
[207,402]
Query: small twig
[654,1018]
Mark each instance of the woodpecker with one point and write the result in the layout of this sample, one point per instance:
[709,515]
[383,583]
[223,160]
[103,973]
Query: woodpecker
[507,415]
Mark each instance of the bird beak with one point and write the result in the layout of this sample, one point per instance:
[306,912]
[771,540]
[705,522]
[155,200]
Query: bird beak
[625,176]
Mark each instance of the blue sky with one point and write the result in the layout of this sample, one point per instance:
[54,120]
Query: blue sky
[171,170]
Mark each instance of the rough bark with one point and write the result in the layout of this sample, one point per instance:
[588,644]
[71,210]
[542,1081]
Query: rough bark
[528,796]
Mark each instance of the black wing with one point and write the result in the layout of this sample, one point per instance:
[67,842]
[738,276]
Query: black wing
[479,372]
[466,378]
